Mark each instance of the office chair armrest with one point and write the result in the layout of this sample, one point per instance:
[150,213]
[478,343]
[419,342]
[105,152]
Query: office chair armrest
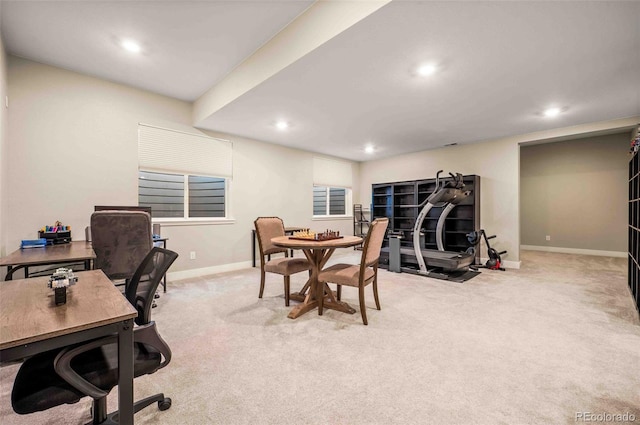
[148,334]
[62,366]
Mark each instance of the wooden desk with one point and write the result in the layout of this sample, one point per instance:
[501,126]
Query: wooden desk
[31,323]
[49,255]
[318,253]
[287,231]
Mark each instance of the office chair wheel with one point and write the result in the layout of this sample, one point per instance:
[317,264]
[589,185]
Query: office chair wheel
[164,404]
[156,295]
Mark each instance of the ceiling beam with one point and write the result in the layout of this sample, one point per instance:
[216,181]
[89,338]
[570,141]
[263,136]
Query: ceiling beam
[322,21]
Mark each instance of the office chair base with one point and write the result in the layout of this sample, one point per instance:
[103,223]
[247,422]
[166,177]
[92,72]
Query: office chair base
[99,407]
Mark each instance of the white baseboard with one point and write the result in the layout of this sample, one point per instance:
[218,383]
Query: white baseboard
[505,263]
[204,271]
[562,250]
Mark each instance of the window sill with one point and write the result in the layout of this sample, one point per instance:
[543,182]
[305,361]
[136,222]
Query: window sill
[167,222]
[331,217]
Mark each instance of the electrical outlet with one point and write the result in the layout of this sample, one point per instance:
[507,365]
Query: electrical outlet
[548,237]
[192,255]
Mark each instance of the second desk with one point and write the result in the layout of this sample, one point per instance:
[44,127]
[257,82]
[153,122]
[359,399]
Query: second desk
[73,252]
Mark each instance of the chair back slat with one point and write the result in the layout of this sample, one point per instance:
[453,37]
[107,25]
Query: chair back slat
[266,229]
[373,241]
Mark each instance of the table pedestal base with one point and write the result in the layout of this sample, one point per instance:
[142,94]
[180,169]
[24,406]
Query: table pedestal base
[329,301]
[316,294]
[303,308]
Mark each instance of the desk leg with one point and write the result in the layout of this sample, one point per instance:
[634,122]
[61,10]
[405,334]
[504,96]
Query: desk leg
[10,270]
[164,279]
[125,373]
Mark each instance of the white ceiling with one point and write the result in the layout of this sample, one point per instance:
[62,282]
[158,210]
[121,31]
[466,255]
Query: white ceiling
[500,65]
[187,46]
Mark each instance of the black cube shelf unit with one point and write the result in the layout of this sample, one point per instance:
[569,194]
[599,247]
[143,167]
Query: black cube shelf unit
[395,200]
[634,228]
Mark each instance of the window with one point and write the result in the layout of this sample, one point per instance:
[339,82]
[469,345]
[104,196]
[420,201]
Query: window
[332,181]
[206,196]
[182,195]
[331,201]
[183,174]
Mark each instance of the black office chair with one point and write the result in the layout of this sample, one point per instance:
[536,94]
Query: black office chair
[68,374]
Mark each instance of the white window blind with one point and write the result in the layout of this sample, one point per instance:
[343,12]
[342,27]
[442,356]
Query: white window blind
[331,172]
[177,151]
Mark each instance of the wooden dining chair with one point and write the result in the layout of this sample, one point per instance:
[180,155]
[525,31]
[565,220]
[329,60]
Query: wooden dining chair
[361,275]
[266,229]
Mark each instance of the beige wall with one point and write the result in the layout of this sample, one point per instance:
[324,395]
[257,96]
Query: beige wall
[4,140]
[268,180]
[576,192]
[495,162]
[74,145]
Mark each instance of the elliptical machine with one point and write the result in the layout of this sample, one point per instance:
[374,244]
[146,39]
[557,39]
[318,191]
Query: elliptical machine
[495,260]
[450,194]
[437,263]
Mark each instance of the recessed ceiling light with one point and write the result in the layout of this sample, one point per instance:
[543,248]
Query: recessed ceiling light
[282,125]
[130,46]
[427,69]
[552,112]
[369,149]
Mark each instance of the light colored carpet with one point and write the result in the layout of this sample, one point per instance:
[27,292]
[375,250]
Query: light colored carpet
[529,346]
